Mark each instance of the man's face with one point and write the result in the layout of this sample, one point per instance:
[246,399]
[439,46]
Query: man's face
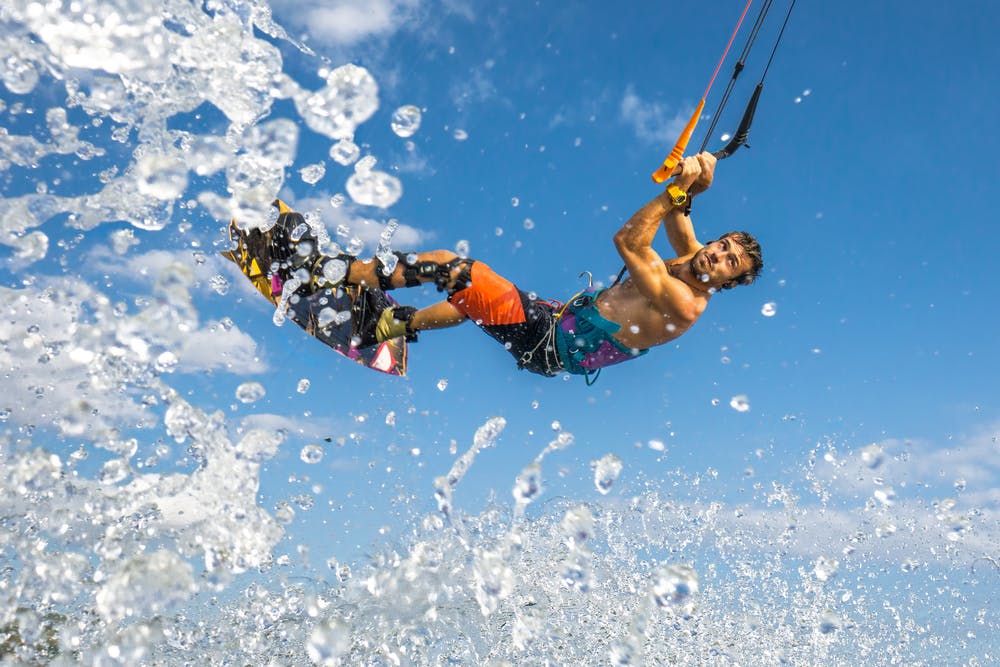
[720,261]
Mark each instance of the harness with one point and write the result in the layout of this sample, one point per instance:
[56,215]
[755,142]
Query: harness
[585,339]
[579,340]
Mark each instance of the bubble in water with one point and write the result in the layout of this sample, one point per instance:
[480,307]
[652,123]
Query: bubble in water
[769,309]
[442,384]
[674,585]
[312,173]
[250,392]
[606,471]
[311,454]
[374,188]
[826,568]
[406,120]
[345,152]
[740,403]
[303,386]
[872,456]
[328,642]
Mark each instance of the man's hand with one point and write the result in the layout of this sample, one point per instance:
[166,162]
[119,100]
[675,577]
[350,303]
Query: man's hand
[696,174]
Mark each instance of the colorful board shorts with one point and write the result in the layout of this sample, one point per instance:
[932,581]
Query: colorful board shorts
[522,323]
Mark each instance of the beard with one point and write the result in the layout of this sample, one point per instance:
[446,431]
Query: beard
[701,274]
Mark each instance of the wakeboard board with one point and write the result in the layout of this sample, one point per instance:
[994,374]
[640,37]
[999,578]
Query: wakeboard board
[341,316]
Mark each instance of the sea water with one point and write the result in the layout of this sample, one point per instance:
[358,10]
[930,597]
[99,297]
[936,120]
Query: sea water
[109,556]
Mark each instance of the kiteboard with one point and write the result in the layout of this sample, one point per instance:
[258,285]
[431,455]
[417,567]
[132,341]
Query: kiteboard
[341,316]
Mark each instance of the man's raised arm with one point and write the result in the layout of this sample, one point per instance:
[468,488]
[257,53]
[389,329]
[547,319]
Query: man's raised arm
[634,240]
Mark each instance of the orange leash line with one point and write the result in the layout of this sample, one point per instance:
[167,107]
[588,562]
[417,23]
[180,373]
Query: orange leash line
[666,170]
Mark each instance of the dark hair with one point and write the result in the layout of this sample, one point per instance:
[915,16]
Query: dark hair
[752,248]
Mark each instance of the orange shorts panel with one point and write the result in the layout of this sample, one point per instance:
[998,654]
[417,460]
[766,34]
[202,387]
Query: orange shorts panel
[489,299]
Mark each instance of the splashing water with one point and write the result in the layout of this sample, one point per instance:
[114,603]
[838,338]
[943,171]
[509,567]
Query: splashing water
[137,525]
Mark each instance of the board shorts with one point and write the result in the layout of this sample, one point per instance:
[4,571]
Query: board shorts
[518,320]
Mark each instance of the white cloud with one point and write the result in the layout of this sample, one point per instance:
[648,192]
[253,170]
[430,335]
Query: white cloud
[652,122]
[346,22]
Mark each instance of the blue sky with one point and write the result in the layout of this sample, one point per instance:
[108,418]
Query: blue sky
[870,183]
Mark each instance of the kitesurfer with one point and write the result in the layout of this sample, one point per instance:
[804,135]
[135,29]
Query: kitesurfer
[658,301]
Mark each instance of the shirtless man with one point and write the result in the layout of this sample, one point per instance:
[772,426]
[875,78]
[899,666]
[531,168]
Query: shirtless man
[656,303]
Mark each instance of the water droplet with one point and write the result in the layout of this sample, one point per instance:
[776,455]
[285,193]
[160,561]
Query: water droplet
[334,271]
[166,362]
[345,152]
[312,173]
[960,484]
[529,224]
[826,568]
[374,188]
[250,392]
[528,484]
[462,248]
[515,202]
[328,642]
[674,585]
[337,200]
[406,120]
[442,384]
[303,386]
[740,403]
[829,622]
[606,471]
[311,454]
[886,496]
[365,164]
[872,456]
[769,309]
[460,135]
[219,284]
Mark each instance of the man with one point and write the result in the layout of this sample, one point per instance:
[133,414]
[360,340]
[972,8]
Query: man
[656,303]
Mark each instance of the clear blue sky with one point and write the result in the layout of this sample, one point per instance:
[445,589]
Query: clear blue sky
[870,183]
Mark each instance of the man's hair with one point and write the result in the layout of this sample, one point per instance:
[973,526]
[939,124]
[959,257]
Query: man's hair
[752,249]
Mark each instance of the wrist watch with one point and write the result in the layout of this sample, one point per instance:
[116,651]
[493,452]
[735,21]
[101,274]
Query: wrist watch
[677,196]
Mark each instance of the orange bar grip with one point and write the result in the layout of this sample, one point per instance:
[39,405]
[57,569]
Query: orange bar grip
[667,169]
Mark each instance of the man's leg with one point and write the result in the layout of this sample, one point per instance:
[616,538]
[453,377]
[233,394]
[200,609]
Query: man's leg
[411,270]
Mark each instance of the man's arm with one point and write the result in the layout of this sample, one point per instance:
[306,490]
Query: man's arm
[634,242]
